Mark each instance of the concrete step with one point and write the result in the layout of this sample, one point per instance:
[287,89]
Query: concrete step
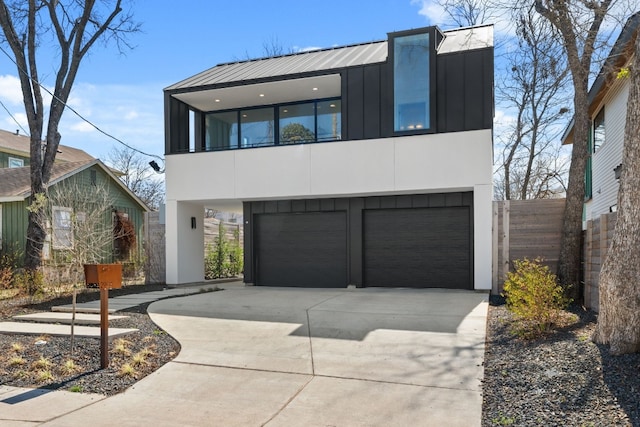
[64,317]
[89,309]
[24,328]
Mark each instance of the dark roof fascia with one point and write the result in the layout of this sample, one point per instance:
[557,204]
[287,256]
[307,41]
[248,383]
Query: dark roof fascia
[274,79]
[626,35]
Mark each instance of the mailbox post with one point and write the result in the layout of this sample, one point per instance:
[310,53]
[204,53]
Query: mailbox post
[106,276]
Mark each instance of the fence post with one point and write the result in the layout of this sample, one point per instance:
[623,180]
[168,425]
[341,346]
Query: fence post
[505,237]
[494,250]
[588,280]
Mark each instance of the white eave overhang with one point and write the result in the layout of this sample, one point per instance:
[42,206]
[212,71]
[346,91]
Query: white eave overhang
[253,95]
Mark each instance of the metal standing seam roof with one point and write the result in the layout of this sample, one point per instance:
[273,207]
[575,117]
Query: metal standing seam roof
[324,60]
[298,63]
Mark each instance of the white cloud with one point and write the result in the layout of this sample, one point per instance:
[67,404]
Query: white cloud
[82,127]
[131,115]
[10,89]
[434,13]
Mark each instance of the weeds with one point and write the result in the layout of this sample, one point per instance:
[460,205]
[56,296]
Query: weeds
[120,347]
[75,389]
[126,370]
[17,361]
[16,347]
[42,363]
[45,376]
[69,367]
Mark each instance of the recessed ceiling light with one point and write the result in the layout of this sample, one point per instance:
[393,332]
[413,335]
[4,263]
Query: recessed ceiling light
[244,115]
[315,88]
[332,105]
[285,111]
[262,95]
[217,100]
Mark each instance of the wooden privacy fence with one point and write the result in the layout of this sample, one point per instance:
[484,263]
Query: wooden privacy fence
[597,239]
[525,228]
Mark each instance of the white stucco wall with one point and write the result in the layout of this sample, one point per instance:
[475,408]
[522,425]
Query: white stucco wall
[460,161]
[184,245]
[441,162]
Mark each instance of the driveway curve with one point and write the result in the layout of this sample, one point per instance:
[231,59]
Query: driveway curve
[256,356]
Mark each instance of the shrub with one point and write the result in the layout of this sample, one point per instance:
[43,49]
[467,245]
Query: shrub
[223,259]
[534,296]
[29,282]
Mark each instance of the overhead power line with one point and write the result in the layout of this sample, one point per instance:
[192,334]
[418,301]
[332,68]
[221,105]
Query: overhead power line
[74,111]
[14,119]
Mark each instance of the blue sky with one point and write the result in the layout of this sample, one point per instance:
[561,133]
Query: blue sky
[122,94]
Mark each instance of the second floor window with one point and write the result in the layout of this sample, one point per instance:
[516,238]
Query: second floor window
[598,130]
[295,123]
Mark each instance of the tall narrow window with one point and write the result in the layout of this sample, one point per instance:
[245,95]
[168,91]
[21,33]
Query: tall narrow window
[598,130]
[412,82]
[62,228]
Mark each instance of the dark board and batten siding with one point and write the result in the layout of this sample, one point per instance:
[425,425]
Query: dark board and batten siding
[464,96]
[451,212]
[464,100]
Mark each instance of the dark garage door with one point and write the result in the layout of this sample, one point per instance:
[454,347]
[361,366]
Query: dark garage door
[301,249]
[420,248]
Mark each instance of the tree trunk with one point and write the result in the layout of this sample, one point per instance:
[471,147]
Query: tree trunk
[569,261]
[619,320]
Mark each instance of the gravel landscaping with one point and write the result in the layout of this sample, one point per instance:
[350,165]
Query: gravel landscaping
[47,362]
[563,379]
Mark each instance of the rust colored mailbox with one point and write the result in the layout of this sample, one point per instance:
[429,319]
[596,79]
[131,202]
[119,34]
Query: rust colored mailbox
[106,276]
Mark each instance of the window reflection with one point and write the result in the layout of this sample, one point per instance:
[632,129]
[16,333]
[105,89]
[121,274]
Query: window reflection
[411,82]
[329,115]
[256,127]
[221,131]
[297,123]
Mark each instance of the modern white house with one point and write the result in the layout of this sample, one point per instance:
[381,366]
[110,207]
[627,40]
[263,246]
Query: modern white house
[608,109]
[364,165]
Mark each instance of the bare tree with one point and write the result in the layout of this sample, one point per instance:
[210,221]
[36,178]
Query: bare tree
[578,24]
[533,86]
[466,12]
[137,175]
[619,320]
[76,27]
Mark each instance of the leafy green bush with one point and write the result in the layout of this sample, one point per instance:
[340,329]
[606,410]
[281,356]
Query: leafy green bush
[534,296]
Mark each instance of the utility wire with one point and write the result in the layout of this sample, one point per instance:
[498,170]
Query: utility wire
[14,119]
[74,111]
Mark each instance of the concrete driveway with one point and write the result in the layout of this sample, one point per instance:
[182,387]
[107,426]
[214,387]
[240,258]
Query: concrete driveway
[310,357]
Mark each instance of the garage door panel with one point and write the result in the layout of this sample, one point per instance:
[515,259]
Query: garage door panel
[420,247]
[302,249]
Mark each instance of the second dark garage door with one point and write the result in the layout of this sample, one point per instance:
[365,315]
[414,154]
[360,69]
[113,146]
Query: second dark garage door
[301,249]
[424,248]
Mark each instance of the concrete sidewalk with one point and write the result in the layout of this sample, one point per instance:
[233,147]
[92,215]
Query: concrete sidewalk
[289,357]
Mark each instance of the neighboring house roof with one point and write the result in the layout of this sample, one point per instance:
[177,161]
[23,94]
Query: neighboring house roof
[621,52]
[13,143]
[324,60]
[15,183]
